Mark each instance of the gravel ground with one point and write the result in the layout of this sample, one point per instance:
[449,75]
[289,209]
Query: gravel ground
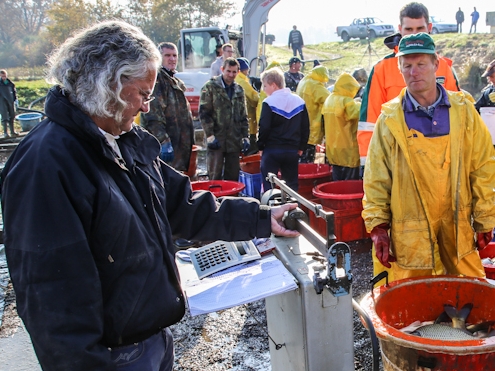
[236,339]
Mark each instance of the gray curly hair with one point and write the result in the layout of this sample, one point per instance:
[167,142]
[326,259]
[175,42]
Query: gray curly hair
[92,64]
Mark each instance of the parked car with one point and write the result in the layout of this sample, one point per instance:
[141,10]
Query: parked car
[365,27]
[439,26]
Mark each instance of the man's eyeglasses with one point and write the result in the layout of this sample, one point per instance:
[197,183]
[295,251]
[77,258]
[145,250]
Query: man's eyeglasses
[147,98]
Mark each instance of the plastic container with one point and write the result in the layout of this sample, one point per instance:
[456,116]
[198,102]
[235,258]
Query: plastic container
[252,183]
[341,195]
[251,164]
[489,252]
[422,299]
[219,188]
[193,162]
[29,120]
[348,224]
[310,175]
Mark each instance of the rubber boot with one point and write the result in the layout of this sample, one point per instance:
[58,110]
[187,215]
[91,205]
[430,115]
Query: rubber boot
[253,146]
[12,132]
[5,134]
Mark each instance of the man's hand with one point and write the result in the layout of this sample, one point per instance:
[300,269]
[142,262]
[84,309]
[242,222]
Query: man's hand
[381,240]
[278,227]
[483,239]
[167,152]
[212,142]
[492,97]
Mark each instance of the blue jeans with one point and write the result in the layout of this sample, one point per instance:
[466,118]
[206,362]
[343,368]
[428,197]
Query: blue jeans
[285,160]
[153,354]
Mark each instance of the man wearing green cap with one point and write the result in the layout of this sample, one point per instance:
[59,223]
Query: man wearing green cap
[429,174]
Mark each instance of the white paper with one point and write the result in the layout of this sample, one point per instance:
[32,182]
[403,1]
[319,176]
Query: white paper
[237,285]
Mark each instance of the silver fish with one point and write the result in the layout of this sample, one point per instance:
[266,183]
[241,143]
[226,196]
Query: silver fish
[441,331]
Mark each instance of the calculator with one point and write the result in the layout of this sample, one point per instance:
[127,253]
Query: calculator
[220,255]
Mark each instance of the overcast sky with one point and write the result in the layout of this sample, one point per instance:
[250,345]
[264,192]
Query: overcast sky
[317,19]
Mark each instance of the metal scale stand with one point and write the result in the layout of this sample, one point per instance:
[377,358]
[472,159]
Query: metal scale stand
[314,323]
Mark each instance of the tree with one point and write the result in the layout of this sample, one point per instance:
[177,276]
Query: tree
[66,16]
[162,20]
[21,18]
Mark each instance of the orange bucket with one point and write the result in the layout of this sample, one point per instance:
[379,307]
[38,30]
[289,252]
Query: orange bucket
[251,164]
[219,188]
[422,299]
[344,194]
[310,175]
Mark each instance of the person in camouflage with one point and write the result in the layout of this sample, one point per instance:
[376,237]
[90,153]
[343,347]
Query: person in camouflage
[222,111]
[170,119]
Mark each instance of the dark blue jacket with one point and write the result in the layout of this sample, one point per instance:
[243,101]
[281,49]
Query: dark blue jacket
[88,236]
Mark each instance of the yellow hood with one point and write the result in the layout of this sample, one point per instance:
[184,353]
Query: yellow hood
[346,85]
[320,73]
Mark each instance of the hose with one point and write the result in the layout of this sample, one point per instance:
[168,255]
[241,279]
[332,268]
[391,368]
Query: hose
[371,330]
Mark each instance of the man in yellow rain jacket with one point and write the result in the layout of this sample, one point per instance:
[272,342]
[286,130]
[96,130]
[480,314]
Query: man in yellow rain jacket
[252,97]
[341,115]
[312,89]
[429,175]
[385,81]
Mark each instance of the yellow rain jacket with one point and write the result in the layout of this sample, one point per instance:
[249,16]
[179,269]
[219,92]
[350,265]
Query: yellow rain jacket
[252,98]
[395,195]
[262,92]
[312,89]
[341,116]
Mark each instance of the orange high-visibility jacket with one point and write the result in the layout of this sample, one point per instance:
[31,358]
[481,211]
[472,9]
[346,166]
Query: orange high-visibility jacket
[384,84]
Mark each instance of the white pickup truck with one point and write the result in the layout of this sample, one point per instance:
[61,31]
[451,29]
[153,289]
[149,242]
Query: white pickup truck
[365,27]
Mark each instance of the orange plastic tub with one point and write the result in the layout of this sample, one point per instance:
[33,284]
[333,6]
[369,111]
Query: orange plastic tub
[251,164]
[219,188]
[406,301]
[310,175]
[344,194]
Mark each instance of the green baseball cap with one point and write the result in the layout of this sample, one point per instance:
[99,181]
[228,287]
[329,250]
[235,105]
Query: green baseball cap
[419,43]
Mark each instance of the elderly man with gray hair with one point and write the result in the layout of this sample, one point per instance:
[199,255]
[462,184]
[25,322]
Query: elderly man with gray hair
[89,213]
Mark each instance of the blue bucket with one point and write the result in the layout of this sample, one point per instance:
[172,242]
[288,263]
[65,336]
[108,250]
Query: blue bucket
[29,120]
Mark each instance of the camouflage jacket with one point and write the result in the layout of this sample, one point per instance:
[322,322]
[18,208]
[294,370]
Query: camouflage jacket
[292,81]
[224,118]
[170,117]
